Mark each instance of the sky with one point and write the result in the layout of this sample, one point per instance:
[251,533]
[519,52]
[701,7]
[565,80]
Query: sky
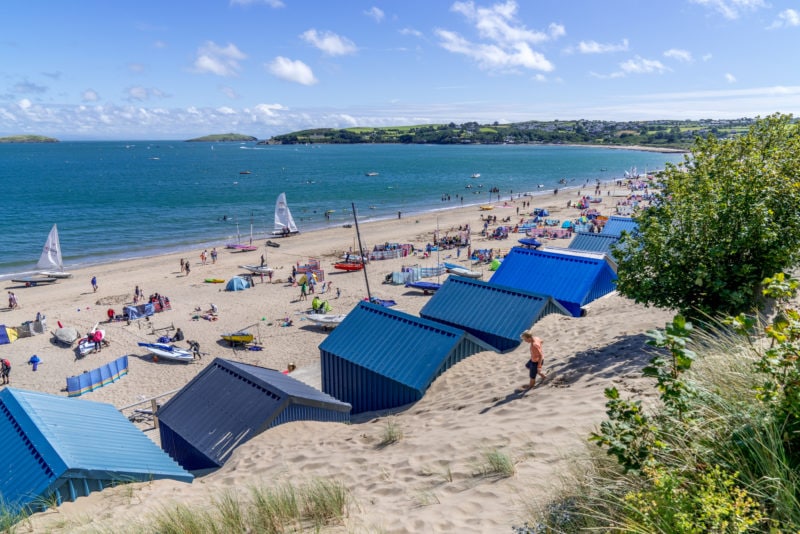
[155,69]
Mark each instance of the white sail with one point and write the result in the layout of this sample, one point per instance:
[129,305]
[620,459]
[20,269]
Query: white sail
[50,259]
[284,223]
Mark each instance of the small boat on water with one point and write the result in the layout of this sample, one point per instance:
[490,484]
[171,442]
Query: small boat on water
[245,172]
[371,173]
[240,337]
[327,321]
[476,175]
[167,352]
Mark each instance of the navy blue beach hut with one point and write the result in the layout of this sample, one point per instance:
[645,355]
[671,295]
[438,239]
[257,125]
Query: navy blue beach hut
[573,281]
[55,448]
[379,358]
[494,314]
[228,403]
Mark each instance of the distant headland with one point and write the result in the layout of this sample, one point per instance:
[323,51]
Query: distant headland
[666,135]
[223,138]
[27,139]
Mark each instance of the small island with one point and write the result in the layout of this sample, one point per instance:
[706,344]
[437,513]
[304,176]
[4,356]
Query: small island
[27,139]
[223,138]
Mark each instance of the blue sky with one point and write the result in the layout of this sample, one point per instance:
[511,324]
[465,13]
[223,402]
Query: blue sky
[103,69]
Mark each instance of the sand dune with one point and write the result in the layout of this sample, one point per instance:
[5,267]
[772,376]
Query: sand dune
[429,480]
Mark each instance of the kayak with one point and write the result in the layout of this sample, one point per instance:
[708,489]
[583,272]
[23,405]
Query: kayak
[214,281]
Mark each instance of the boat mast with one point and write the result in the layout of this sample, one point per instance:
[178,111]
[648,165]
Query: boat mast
[361,251]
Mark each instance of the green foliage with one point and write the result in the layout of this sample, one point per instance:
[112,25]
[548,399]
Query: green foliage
[628,434]
[713,503]
[728,219]
[675,392]
[497,463]
[392,433]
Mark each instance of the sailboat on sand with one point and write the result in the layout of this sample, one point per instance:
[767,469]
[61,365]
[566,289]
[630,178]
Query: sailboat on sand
[51,260]
[284,223]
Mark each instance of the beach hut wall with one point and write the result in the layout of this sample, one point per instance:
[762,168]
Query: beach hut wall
[57,449]
[573,281]
[228,403]
[379,358]
[492,313]
[616,225]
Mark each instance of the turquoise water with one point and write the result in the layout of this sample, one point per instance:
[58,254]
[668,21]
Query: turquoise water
[115,200]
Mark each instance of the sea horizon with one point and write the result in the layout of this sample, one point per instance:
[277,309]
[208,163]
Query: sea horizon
[119,200]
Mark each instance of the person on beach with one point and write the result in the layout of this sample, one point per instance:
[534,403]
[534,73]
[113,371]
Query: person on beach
[186,267]
[183,267]
[34,361]
[214,255]
[12,300]
[5,370]
[536,361]
[178,336]
[94,284]
[304,291]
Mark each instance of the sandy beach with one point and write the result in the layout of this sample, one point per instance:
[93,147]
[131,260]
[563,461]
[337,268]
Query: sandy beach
[426,482]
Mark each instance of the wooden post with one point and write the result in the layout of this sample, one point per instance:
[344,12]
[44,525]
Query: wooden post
[154,407]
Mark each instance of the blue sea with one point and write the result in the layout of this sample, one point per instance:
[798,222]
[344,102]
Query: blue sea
[115,200]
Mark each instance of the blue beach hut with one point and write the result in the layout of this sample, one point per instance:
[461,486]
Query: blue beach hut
[57,448]
[229,403]
[379,358]
[616,225]
[492,313]
[572,280]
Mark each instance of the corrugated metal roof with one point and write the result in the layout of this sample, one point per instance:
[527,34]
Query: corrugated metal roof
[593,242]
[50,442]
[379,358]
[230,402]
[372,336]
[572,280]
[493,313]
[616,225]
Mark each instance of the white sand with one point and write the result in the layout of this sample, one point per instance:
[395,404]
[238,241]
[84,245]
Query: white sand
[426,482]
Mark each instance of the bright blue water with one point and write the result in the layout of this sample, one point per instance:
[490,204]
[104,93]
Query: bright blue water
[115,200]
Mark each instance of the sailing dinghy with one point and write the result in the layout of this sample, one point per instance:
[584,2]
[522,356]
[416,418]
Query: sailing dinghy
[284,223]
[51,260]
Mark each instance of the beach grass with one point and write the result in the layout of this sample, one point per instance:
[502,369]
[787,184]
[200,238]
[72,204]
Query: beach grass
[278,509]
[392,433]
[496,463]
[724,468]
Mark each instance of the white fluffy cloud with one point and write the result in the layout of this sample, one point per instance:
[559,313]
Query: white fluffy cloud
[593,47]
[679,55]
[329,42]
[219,60]
[90,95]
[732,9]
[730,78]
[506,42]
[375,13]
[786,19]
[640,65]
[293,71]
[270,109]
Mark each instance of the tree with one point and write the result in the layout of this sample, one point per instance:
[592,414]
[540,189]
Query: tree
[729,217]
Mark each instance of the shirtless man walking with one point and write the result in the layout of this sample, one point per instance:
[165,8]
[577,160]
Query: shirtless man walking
[536,362]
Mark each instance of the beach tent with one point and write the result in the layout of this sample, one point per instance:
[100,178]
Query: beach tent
[379,358]
[566,224]
[228,403]
[7,334]
[494,314]
[572,280]
[530,242]
[57,449]
[237,283]
[139,311]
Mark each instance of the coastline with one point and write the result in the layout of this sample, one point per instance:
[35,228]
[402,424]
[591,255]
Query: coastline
[391,488]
